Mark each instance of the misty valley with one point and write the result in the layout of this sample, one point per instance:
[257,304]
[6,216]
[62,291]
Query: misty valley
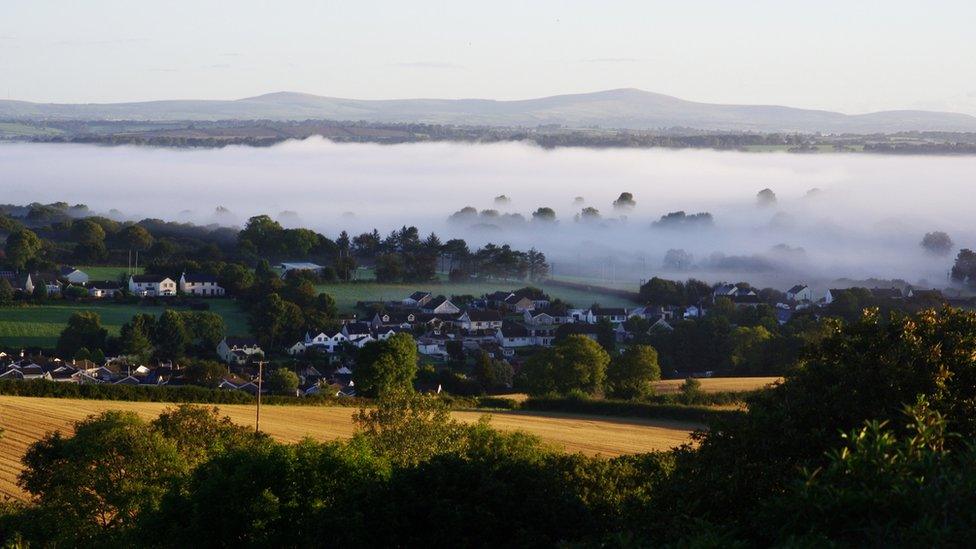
[773,219]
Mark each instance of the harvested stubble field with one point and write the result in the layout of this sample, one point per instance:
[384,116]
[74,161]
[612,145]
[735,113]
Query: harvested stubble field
[26,419]
[718,384]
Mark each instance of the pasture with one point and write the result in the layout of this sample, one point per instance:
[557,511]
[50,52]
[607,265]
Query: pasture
[27,419]
[40,325]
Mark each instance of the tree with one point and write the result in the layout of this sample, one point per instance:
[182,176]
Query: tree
[6,292]
[659,291]
[748,349]
[766,197]
[678,260]
[170,337]
[22,246]
[385,366]
[135,337]
[493,373]
[631,374]
[205,373]
[283,382]
[88,232]
[264,236]
[235,278]
[100,479]
[606,336]
[576,363]
[625,202]
[937,243]
[544,214]
[964,269]
[135,237]
[84,329]
[389,268]
[588,213]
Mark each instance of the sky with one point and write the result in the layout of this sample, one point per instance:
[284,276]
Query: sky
[850,56]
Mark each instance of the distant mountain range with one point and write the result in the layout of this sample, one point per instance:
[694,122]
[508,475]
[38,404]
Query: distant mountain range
[620,109]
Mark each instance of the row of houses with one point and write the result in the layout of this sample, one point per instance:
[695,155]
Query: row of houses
[146,285]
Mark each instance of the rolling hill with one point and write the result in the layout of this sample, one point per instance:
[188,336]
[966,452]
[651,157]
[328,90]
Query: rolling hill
[620,109]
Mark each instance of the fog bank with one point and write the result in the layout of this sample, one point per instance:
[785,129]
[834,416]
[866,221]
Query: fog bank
[866,220]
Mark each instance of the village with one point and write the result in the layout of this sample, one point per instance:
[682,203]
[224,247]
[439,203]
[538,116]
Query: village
[504,325]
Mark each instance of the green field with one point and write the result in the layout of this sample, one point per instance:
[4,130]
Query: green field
[39,326]
[347,294]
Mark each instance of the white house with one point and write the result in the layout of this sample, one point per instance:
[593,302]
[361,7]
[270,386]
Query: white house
[152,285]
[323,341]
[616,315]
[238,350]
[800,292]
[479,321]
[546,316]
[73,275]
[103,288]
[200,284]
[354,331]
[512,334]
[440,306]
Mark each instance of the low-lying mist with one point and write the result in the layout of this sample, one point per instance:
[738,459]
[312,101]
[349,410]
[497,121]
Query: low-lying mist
[834,215]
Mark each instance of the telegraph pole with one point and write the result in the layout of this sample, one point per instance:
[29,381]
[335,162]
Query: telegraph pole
[257,418]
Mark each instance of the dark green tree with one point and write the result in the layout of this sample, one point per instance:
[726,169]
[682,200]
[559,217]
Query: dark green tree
[385,366]
[632,373]
[84,329]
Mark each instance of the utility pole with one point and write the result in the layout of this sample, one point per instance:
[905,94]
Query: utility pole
[257,418]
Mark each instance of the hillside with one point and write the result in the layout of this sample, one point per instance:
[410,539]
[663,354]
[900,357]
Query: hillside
[622,108]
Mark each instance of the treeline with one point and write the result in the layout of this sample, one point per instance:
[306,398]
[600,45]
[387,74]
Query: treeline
[865,443]
[173,336]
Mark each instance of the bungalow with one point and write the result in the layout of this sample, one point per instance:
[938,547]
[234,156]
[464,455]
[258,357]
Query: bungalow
[513,334]
[497,300]
[238,350]
[616,315]
[440,305]
[355,331]
[479,321]
[432,346]
[417,299]
[399,319]
[520,303]
[200,284]
[73,275]
[151,285]
[800,292]
[103,288]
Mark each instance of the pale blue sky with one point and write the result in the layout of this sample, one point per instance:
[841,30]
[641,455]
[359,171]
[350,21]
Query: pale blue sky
[852,56]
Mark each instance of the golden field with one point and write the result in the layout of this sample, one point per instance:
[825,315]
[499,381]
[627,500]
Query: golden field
[26,419]
[708,384]
[718,384]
